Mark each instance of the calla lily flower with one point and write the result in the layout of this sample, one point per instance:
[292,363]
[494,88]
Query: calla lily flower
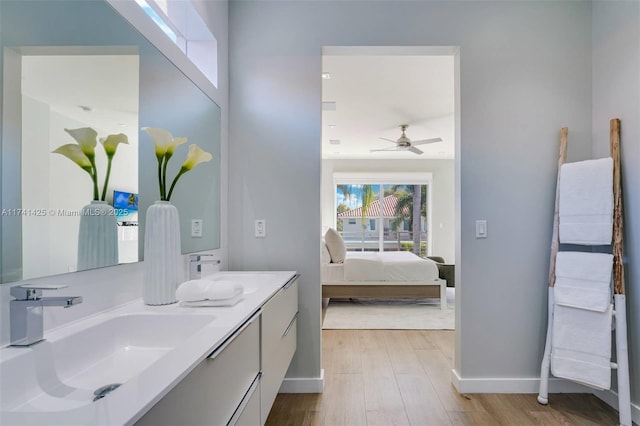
[75,154]
[110,143]
[195,156]
[86,138]
[84,154]
[163,140]
[165,144]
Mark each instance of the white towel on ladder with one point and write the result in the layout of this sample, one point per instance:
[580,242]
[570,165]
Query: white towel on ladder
[583,280]
[581,346]
[586,202]
[581,332]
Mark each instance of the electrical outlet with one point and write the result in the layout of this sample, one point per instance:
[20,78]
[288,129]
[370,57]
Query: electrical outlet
[196,227]
[261,228]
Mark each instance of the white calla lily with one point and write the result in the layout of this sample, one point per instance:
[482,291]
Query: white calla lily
[84,153]
[165,144]
[164,141]
[110,143]
[196,156]
[86,138]
[75,154]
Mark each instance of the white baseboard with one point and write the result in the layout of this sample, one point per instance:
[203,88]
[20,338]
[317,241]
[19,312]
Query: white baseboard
[611,398]
[303,384]
[532,385]
[513,385]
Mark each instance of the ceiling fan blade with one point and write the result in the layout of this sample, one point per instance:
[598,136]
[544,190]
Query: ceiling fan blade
[385,139]
[395,148]
[424,141]
[414,150]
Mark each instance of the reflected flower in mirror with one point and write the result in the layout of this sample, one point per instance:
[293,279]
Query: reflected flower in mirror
[165,145]
[84,155]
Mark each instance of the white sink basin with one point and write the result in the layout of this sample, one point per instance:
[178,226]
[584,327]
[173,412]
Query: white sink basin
[63,373]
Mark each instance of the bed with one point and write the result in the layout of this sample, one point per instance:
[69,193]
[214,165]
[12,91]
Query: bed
[382,275]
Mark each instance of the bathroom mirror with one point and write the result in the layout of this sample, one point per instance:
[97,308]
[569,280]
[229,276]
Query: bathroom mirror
[70,64]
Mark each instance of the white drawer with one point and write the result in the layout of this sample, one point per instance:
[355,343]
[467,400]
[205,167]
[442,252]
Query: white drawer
[249,410]
[277,314]
[274,366]
[210,394]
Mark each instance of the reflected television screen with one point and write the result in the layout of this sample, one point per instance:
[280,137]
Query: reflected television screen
[126,207]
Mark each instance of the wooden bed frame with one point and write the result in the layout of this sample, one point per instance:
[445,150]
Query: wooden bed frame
[383,289]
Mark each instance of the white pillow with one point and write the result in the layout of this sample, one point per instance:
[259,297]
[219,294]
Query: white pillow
[335,245]
[325,256]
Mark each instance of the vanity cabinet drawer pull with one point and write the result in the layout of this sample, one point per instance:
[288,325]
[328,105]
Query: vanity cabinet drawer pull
[290,325]
[291,281]
[235,334]
[245,401]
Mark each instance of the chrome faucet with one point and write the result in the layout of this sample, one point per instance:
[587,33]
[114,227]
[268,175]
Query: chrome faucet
[196,262]
[26,311]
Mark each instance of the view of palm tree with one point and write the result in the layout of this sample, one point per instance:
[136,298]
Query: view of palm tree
[395,221]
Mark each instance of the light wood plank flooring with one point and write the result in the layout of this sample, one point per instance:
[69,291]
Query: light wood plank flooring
[402,377]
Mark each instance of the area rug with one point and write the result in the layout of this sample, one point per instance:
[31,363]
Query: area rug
[390,314]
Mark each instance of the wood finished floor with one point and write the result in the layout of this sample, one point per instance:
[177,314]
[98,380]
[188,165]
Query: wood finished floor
[402,377]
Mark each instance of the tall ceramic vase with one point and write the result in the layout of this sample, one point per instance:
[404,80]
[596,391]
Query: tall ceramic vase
[98,236]
[161,254]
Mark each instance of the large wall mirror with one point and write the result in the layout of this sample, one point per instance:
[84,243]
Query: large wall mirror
[71,65]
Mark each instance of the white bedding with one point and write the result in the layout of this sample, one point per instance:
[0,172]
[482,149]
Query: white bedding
[393,267]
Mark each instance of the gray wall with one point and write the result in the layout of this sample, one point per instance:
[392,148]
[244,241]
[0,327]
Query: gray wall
[525,71]
[616,94]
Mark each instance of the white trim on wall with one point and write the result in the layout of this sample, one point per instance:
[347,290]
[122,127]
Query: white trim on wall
[513,385]
[303,384]
[532,386]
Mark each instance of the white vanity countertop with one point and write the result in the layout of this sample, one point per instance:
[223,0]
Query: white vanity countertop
[135,397]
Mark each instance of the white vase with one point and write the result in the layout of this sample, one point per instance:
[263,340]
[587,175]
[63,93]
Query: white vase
[161,254]
[98,236]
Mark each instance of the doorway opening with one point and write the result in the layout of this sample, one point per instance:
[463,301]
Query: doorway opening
[389,119]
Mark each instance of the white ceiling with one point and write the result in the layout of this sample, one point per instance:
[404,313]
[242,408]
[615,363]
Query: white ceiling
[375,94]
[107,84]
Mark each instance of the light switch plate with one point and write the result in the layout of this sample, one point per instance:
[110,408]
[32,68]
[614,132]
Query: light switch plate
[481,229]
[261,228]
[196,227]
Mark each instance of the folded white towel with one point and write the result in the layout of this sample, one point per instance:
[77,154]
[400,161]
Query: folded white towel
[577,367]
[583,280]
[198,290]
[586,202]
[581,346]
[204,303]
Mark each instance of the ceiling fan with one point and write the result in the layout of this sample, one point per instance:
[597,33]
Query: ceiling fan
[405,144]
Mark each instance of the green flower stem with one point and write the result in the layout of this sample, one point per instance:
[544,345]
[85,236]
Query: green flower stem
[173,184]
[94,177]
[160,159]
[106,179]
[167,157]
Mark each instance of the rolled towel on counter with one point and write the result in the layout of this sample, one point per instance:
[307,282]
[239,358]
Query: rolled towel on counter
[199,290]
[586,202]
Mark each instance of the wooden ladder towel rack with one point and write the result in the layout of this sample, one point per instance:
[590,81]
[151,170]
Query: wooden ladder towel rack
[622,359]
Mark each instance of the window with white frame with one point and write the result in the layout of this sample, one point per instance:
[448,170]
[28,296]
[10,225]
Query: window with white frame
[388,198]
[182,23]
